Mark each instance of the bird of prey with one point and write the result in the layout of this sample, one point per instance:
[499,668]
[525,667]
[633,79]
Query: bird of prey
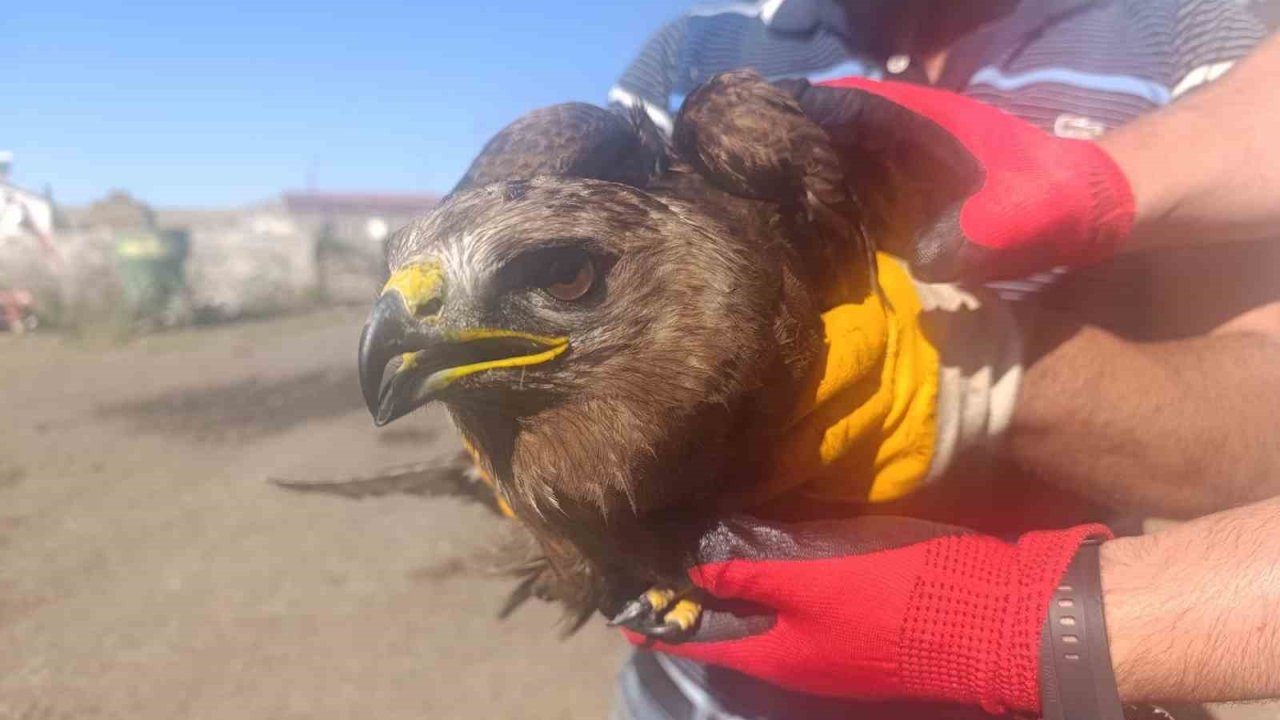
[618,324]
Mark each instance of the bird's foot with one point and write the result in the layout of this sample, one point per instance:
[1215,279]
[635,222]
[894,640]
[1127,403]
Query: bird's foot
[661,614]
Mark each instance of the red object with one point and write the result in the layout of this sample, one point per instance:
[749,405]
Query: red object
[893,609]
[14,308]
[1045,201]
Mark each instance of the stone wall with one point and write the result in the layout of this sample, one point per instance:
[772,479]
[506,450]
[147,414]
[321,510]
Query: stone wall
[79,284]
[242,263]
[257,265]
[260,265]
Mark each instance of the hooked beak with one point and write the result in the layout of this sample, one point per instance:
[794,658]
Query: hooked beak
[405,331]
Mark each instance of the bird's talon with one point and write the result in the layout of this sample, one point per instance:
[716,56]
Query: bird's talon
[632,612]
[658,599]
[685,614]
[665,631]
[640,626]
[654,615]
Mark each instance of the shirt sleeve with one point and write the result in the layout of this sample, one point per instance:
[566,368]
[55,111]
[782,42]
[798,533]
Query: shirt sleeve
[1211,35]
[649,80]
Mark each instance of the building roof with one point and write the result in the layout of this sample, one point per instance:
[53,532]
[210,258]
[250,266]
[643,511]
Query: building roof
[345,203]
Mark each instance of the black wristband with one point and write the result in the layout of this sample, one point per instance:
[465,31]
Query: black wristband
[1076,679]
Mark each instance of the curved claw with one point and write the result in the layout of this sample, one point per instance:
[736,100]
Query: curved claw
[652,603]
[632,612]
[666,631]
[653,615]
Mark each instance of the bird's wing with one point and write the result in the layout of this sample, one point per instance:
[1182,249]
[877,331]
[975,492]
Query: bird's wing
[904,170]
[574,140]
[853,159]
[457,476]
[752,139]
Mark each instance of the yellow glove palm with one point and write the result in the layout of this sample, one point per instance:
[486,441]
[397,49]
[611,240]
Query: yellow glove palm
[864,429]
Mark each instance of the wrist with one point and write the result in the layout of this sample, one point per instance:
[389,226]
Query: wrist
[1124,580]
[1154,196]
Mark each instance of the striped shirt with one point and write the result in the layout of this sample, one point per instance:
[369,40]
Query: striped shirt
[1072,67]
[1076,67]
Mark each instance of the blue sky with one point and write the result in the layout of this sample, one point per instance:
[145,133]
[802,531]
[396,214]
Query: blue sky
[216,103]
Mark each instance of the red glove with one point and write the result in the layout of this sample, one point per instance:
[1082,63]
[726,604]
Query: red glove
[1036,201]
[878,608]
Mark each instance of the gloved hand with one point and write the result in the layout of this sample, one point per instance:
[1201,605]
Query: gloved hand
[876,608]
[894,404]
[1029,201]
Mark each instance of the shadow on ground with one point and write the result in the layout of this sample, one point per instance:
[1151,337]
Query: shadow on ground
[244,409]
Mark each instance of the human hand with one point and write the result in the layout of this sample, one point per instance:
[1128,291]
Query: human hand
[879,608]
[1028,201]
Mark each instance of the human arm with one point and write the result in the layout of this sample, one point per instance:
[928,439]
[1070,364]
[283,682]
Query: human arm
[1175,429]
[892,608]
[1206,169]
[1191,611]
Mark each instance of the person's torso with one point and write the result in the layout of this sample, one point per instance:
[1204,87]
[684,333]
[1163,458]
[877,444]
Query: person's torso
[1075,68]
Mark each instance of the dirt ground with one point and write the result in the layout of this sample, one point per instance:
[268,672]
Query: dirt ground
[148,569]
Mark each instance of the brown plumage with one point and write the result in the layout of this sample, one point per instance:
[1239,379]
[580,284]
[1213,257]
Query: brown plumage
[705,265]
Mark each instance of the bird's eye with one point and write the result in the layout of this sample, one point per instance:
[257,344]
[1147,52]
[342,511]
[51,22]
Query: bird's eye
[570,276]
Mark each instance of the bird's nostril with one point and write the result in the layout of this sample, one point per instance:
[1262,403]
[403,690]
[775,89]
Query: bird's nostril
[430,308]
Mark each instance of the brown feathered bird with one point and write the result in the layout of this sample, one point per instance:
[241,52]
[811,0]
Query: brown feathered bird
[618,324]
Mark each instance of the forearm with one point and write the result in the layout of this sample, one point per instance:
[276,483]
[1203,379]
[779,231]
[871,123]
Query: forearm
[1175,429]
[1207,169]
[1191,612]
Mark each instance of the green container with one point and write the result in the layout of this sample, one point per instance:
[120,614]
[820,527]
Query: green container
[151,269]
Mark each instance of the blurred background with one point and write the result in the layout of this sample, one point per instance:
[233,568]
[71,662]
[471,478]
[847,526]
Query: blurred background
[193,204]
[193,201]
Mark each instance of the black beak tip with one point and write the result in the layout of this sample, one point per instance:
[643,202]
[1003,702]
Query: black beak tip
[386,336]
[370,371]
[384,415]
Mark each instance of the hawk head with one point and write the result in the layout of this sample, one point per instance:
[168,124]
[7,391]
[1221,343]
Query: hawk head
[596,344]
[616,325]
